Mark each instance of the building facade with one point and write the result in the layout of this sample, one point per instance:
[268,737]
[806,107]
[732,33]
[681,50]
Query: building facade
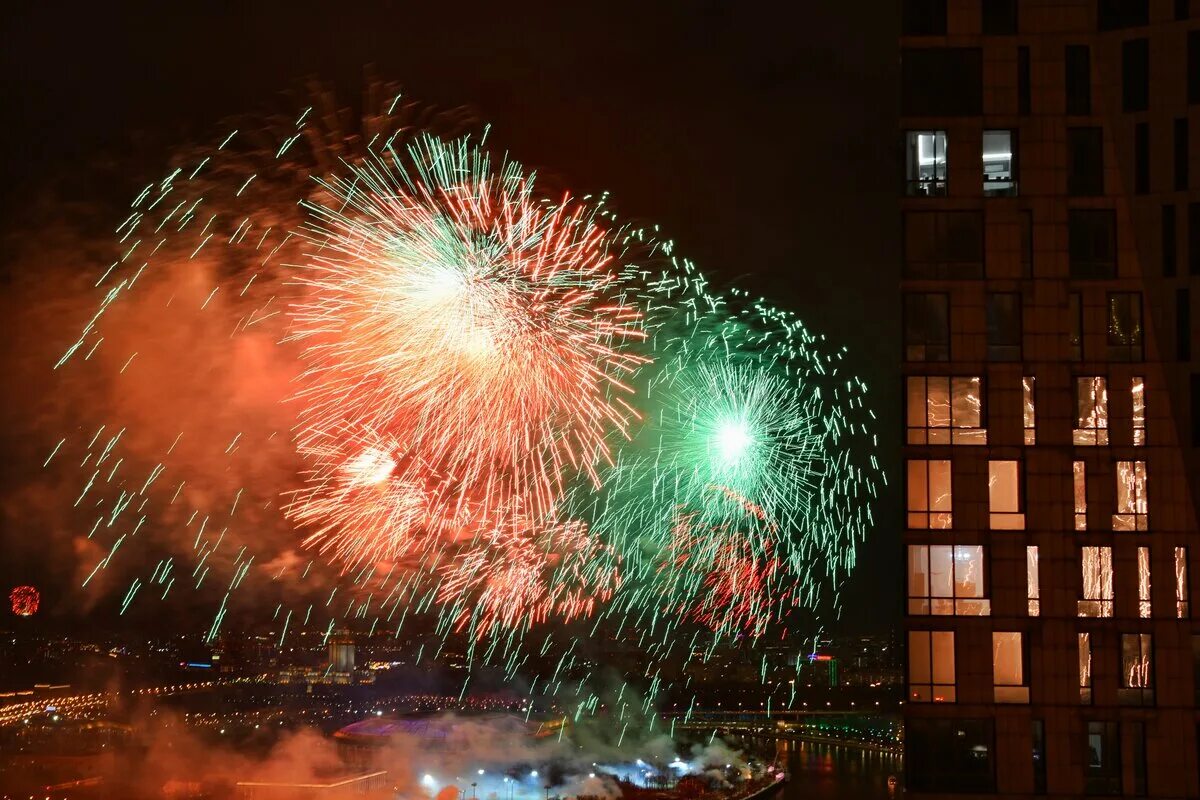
[1051,229]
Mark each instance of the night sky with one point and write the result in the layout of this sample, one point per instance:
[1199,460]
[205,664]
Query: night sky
[761,137]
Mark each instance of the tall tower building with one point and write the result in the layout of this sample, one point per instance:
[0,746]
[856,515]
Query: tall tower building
[1051,229]
[341,652]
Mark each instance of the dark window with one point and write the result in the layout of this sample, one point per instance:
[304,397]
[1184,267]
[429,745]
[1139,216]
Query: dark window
[1103,772]
[1079,79]
[1181,154]
[1195,404]
[1092,242]
[1026,244]
[943,244]
[1004,326]
[1000,163]
[1124,326]
[1075,318]
[1038,735]
[944,81]
[1195,638]
[925,163]
[1113,15]
[924,17]
[927,327]
[949,755]
[1085,161]
[1181,9]
[1183,325]
[1194,238]
[1141,158]
[1135,75]
[1193,67]
[999,17]
[1024,91]
[1137,744]
[1170,247]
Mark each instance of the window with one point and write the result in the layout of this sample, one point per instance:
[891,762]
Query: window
[1135,74]
[1137,392]
[1194,238]
[1170,248]
[1182,593]
[945,410]
[1193,66]
[1125,326]
[1181,10]
[1194,387]
[1092,243]
[948,755]
[943,244]
[1080,484]
[929,494]
[1137,746]
[941,82]
[1026,222]
[931,666]
[1144,602]
[1141,158]
[1004,326]
[1112,15]
[1037,735]
[1079,80]
[1004,496]
[1131,497]
[999,164]
[1029,409]
[1091,411]
[1097,596]
[1085,162]
[1103,773]
[999,17]
[1024,93]
[927,327]
[1181,154]
[1009,673]
[1033,589]
[947,580]
[1075,320]
[924,17]
[1137,670]
[1085,668]
[925,163]
[1183,325]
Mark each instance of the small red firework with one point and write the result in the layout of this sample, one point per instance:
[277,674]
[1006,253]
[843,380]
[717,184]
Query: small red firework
[25,600]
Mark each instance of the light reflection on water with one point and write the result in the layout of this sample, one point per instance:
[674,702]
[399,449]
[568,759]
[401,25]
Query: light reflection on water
[820,771]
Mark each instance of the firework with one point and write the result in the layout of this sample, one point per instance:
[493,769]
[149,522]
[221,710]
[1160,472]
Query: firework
[25,600]
[479,334]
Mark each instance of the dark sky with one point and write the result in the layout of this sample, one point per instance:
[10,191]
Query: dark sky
[759,135]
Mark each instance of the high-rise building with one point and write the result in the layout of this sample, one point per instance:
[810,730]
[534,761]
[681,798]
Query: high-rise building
[341,652]
[1051,229]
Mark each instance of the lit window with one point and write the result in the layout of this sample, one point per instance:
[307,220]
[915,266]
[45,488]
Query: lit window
[1091,411]
[1132,508]
[999,164]
[1008,668]
[947,580]
[1182,604]
[1033,589]
[1097,577]
[1080,480]
[1143,556]
[1029,409]
[1085,668]
[945,411]
[925,163]
[1138,390]
[1137,670]
[931,666]
[929,497]
[1004,495]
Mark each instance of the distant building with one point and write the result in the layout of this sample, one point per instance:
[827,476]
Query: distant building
[341,652]
[1051,242]
[339,671]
